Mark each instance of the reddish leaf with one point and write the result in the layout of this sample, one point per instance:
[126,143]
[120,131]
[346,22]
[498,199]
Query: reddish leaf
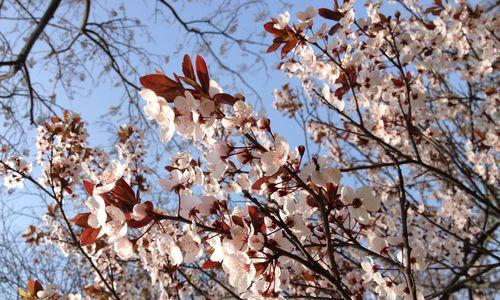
[398,82]
[279,40]
[210,265]
[202,72]
[34,286]
[334,29]
[260,268]
[342,79]
[89,187]
[257,218]
[273,47]
[288,47]
[158,83]
[224,98]
[351,72]
[430,26]
[139,224]
[81,220]
[311,202]
[224,226]
[191,82]
[89,236]
[32,230]
[430,9]
[68,190]
[187,68]
[341,91]
[257,184]
[238,220]
[170,168]
[307,276]
[162,86]
[330,14]
[123,193]
[269,27]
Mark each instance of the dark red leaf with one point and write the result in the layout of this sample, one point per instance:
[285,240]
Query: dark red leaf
[34,286]
[139,224]
[430,26]
[351,72]
[330,14]
[408,76]
[224,226]
[170,168]
[257,218]
[187,68]
[269,27]
[398,82]
[192,83]
[81,220]
[224,98]
[279,40]
[288,47]
[202,72]
[311,202]
[123,193]
[307,276]
[273,47]
[257,184]
[31,230]
[341,91]
[158,83]
[89,187]
[89,236]
[334,29]
[342,79]
[210,265]
[260,268]
[238,220]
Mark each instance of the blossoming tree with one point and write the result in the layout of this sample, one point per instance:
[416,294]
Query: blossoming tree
[398,199]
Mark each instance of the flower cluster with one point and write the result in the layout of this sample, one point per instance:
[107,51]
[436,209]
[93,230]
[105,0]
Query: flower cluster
[14,170]
[36,290]
[131,150]
[62,147]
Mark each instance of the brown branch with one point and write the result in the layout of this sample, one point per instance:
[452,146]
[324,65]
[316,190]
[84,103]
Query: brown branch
[461,284]
[31,40]
[404,216]
[81,30]
[214,278]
